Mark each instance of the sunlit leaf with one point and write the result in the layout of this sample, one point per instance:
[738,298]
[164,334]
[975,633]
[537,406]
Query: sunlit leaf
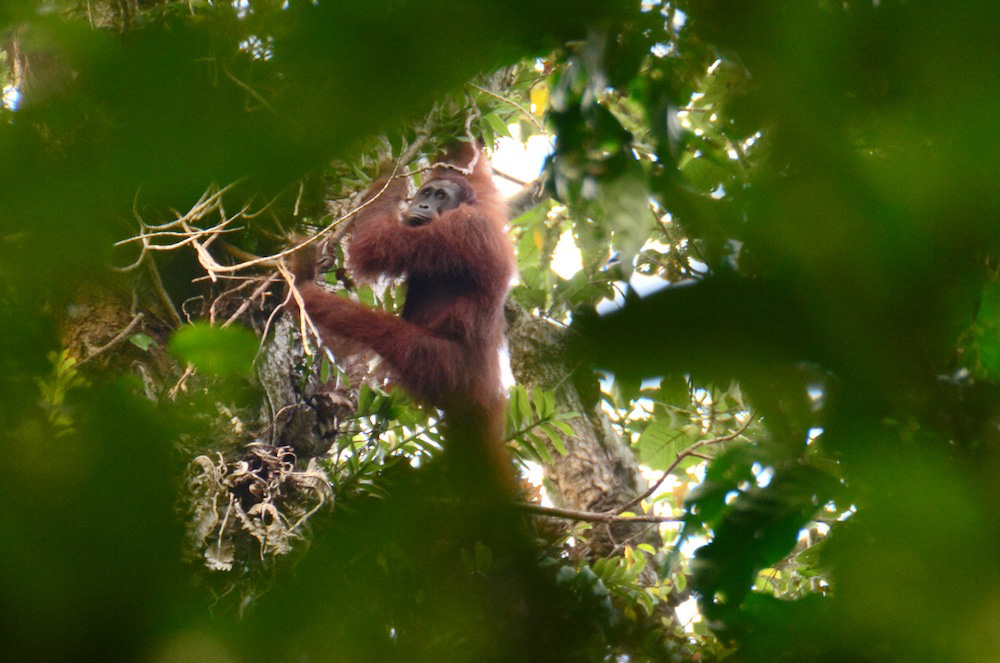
[660,443]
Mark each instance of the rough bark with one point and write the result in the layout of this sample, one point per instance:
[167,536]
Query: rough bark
[301,410]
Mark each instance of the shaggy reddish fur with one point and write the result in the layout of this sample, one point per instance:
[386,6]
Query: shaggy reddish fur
[444,349]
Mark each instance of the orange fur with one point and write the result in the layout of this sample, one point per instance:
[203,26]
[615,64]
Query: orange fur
[444,348]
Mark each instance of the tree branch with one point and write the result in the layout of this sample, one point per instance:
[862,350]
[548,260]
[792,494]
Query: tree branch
[114,341]
[592,517]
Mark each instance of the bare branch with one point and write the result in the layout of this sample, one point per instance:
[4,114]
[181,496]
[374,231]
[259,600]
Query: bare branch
[305,322]
[592,517]
[246,303]
[161,292]
[510,178]
[114,341]
[181,382]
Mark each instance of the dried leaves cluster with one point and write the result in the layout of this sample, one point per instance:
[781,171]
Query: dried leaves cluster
[262,495]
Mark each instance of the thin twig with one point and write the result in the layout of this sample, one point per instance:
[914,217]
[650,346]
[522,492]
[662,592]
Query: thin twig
[188,235]
[180,383]
[298,198]
[210,200]
[592,517]
[272,259]
[114,341]
[161,292]
[305,322]
[246,302]
[510,178]
[268,205]
[243,283]
[225,277]
[620,545]
[205,204]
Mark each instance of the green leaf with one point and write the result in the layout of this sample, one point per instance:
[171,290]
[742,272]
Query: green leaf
[538,397]
[638,565]
[533,217]
[365,295]
[557,442]
[550,401]
[528,250]
[565,428]
[538,447]
[810,558]
[524,406]
[515,407]
[498,125]
[658,444]
[704,174]
[487,132]
[141,341]
[324,369]
[366,396]
[221,351]
[565,574]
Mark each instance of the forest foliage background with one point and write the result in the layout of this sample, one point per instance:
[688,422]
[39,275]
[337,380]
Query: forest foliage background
[814,394]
